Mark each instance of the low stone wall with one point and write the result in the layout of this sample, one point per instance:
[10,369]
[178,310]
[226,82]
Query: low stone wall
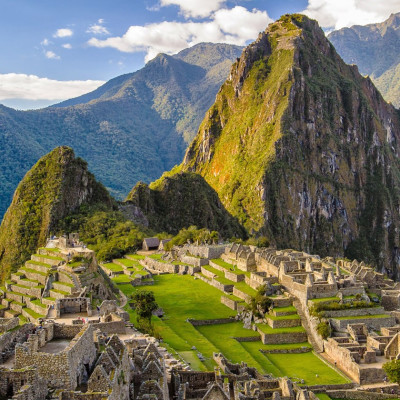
[374,323]
[299,350]
[283,323]
[207,273]
[221,286]
[283,338]
[160,266]
[241,295]
[216,266]
[282,301]
[202,322]
[248,339]
[229,302]
[234,277]
[352,312]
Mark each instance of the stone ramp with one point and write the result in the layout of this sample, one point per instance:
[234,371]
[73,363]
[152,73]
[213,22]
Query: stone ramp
[304,320]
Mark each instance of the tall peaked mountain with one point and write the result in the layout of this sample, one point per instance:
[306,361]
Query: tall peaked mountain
[302,148]
[133,128]
[56,186]
[375,49]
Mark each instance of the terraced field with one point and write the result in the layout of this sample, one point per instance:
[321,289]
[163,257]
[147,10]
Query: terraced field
[183,297]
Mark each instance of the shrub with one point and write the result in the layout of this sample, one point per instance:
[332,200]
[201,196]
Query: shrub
[324,329]
[392,369]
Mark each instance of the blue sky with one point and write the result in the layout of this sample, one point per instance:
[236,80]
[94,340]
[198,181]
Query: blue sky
[54,50]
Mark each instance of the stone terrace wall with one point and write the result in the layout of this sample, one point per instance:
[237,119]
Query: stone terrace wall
[279,338]
[160,266]
[8,323]
[208,252]
[202,322]
[197,262]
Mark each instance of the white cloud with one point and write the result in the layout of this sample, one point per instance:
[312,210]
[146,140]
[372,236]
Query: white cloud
[45,42]
[195,8]
[98,29]
[63,32]
[236,26]
[67,46]
[100,21]
[51,55]
[341,13]
[31,87]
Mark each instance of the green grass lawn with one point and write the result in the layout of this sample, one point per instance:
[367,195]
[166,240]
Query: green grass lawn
[307,366]
[243,287]
[113,267]
[267,329]
[135,257]
[127,262]
[121,279]
[183,297]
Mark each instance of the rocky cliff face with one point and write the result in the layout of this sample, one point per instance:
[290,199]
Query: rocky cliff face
[56,185]
[301,147]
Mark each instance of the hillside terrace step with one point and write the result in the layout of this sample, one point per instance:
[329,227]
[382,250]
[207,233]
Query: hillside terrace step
[63,286]
[49,301]
[50,260]
[11,313]
[17,306]
[38,266]
[58,294]
[28,282]
[282,311]
[34,275]
[32,315]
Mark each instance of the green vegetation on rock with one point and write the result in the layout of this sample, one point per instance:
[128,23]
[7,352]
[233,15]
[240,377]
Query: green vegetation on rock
[57,185]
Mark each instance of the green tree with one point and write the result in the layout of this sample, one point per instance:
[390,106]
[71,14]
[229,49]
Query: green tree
[392,369]
[144,303]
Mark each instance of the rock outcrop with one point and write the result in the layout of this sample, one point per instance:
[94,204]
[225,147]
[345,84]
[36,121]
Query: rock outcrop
[179,201]
[55,186]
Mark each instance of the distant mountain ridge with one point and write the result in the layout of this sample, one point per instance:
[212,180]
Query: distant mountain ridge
[375,48]
[132,128]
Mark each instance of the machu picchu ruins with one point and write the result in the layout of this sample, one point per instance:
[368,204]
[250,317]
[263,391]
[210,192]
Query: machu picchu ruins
[241,237]
[84,345]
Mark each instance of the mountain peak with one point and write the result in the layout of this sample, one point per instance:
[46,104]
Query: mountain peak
[55,186]
[287,146]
